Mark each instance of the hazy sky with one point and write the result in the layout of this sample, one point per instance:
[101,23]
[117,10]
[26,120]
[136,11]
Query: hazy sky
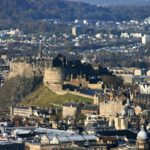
[116,2]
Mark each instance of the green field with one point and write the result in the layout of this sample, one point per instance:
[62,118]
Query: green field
[43,97]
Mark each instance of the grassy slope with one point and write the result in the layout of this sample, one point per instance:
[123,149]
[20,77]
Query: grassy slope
[45,98]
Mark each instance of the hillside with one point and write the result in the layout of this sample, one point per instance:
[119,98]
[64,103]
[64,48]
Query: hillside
[16,13]
[24,10]
[29,91]
[45,98]
[16,89]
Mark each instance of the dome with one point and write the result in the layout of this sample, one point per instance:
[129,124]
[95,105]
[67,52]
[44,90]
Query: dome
[142,135]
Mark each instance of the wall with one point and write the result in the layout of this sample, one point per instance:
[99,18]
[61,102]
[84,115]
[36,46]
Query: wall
[80,94]
[22,68]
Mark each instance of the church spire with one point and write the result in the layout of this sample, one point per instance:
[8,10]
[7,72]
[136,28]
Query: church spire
[40,50]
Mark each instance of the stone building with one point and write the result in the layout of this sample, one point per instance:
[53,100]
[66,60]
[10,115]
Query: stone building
[110,108]
[101,97]
[70,110]
[90,109]
[121,123]
[20,111]
[35,146]
[53,79]
[29,111]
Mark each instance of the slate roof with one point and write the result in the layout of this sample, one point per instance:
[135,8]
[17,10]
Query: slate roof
[127,133]
[90,107]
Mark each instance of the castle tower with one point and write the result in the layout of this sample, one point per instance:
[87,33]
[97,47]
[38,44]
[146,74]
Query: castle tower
[53,79]
[142,140]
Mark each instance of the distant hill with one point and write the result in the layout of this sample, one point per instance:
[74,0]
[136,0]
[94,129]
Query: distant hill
[23,10]
[26,10]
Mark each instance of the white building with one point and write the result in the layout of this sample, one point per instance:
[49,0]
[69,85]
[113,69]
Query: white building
[85,22]
[145,88]
[137,72]
[76,30]
[90,118]
[136,35]
[16,32]
[98,36]
[125,35]
[145,39]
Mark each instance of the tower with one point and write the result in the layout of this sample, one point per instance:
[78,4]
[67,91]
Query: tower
[40,50]
[74,31]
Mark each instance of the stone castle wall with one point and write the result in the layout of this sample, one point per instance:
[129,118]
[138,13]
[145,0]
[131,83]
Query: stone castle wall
[22,69]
